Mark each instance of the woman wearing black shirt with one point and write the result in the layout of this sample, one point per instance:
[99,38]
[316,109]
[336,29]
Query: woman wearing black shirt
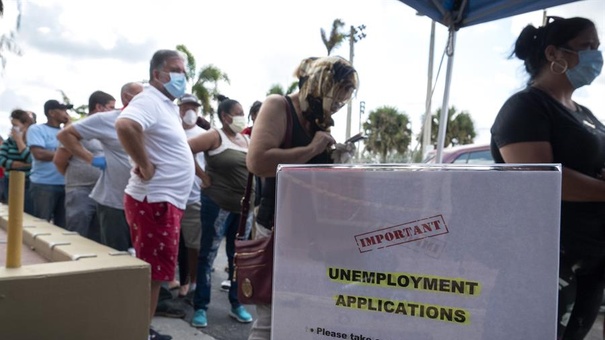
[542,124]
[295,130]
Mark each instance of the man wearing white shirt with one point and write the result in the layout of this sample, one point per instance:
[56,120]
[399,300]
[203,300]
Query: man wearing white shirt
[160,182]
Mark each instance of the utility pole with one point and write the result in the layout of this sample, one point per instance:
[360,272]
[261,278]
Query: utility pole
[426,133]
[362,110]
[355,35]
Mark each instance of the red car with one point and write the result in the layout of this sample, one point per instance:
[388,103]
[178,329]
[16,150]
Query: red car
[464,154]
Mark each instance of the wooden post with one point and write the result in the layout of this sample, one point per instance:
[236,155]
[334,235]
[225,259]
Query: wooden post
[15,219]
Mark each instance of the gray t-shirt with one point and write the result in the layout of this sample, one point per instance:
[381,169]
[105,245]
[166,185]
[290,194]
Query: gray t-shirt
[80,173]
[109,190]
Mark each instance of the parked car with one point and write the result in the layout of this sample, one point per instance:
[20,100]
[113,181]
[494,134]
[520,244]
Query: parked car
[464,154]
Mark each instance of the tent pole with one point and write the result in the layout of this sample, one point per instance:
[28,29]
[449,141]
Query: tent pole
[446,97]
[426,131]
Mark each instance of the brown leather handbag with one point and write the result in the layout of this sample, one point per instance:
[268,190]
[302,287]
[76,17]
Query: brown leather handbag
[253,259]
[253,263]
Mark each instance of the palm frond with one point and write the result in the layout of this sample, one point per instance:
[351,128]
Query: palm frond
[336,36]
[191,65]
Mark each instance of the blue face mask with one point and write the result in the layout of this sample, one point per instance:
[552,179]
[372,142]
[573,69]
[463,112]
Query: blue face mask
[590,63]
[177,84]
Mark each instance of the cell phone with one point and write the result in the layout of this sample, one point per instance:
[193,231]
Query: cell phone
[355,138]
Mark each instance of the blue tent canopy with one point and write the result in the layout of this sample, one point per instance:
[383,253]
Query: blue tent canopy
[463,13]
[456,14]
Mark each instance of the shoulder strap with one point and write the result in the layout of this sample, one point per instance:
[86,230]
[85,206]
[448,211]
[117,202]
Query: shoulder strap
[287,143]
[243,217]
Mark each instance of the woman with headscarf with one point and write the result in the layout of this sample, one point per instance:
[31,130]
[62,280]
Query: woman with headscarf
[295,129]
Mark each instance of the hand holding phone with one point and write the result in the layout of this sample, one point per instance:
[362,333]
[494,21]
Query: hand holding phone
[355,138]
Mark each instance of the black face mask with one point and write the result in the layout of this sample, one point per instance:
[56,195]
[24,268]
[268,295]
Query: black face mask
[315,114]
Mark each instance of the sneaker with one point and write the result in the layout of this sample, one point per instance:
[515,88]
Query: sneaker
[199,319]
[153,335]
[240,314]
[226,285]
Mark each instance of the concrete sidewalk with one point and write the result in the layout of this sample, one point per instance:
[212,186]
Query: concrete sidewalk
[220,325]
[178,329]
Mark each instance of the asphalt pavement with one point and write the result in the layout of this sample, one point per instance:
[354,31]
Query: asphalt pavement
[220,325]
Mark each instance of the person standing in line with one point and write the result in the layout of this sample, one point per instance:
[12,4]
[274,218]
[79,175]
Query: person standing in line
[47,184]
[325,86]
[252,116]
[258,181]
[223,186]
[81,176]
[543,124]
[3,180]
[150,131]
[129,91]
[191,226]
[15,154]
[108,192]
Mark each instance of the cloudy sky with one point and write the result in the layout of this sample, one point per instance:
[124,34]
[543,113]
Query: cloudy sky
[83,46]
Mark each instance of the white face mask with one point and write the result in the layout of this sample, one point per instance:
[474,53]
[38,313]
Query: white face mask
[190,117]
[238,124]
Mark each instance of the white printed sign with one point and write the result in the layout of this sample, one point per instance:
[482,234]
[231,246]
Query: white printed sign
[409,252]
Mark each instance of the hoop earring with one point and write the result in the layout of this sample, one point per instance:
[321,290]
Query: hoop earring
[562,67]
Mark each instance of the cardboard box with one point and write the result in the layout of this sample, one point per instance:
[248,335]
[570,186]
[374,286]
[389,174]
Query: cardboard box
[86,291]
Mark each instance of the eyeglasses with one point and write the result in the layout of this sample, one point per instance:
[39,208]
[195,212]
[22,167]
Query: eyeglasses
[337,105]
[340,104]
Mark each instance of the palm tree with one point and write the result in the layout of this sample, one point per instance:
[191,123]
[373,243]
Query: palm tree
[388,133]
[460,128]
[204,82]
[81,110]
[8,41]
[336,36]
[278,89]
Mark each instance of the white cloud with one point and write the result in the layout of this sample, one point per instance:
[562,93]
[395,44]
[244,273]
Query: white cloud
[83,46]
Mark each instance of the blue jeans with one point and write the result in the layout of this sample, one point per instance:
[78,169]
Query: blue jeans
[48,202]
[216,223]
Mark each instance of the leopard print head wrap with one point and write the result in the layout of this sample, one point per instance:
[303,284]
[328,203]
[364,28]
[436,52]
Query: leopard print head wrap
[325,84]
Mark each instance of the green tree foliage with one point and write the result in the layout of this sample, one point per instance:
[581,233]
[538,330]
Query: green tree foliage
[80,110]
[336,37]
[8,41]
[460,128]
[204,81]
[388,133]
[278,89]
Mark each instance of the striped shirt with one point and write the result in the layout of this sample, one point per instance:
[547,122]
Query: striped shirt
[9,152]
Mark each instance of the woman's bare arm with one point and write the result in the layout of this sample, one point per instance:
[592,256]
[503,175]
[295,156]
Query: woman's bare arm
[575,185]
[265,154]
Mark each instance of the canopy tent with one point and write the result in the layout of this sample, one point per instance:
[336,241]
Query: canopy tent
[456,14]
